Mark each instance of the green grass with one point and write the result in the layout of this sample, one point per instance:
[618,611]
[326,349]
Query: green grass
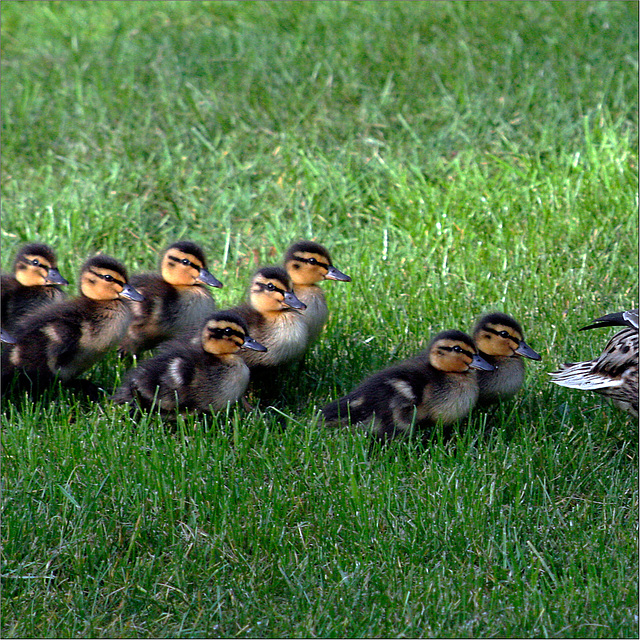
[455,158]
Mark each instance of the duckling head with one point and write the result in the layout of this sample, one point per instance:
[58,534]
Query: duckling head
[104,278]
[272,291]
[225,333]
[184,264]
[36,265]
[454,352]
[308,262]
[498,334]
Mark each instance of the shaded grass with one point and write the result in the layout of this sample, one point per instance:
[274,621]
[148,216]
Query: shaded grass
[454,158]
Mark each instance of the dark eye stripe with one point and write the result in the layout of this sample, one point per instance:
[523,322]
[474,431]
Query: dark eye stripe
[264,286]
[497,333]
[220,334]
[38,263]
[466,353]
[106,276]
[314,260]
[180,261]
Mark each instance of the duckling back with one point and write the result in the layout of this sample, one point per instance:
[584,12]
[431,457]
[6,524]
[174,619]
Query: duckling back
[186,378]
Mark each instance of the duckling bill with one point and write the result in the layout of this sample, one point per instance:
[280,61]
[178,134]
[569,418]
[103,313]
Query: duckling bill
[500,341]
[438,385]
[202,373]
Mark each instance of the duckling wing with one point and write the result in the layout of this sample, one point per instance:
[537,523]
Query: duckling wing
[391,395]
[163,380]
[48,340]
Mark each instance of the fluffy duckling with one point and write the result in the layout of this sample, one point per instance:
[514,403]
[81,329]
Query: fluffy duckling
[175,300]
[308,263]
[32,285]
[438,385]
[203,373]
[66,338]
[614,373]
[272,315]
[500,341]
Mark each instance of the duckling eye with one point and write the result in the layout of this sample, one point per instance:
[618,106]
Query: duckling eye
[271,286]
[108,278]
[457,349]
[312,261]
[504,334]
[35,263]
[185,261]
[227,331]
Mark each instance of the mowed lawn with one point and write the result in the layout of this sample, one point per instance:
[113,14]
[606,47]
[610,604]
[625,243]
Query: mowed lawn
[454,158]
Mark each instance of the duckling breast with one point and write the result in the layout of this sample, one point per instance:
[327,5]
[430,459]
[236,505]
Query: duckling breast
[195,304]
[450,399]
[285,337]
[227,382]
[503,382]
[106,326]
[317,312]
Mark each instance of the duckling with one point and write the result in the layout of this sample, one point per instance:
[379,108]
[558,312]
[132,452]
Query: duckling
[500,342]
[272,315]
[438,385]
[64,339]
[203,373]
[175,300]
[32,285]
[614,373]
[308,263]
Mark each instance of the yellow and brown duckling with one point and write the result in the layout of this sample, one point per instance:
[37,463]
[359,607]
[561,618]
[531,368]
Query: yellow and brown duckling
[34,283]
[175,300]
[614,373]
[272,315]
[201,373]
[500,342]
[438,385]
[308,263]
[66,338]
